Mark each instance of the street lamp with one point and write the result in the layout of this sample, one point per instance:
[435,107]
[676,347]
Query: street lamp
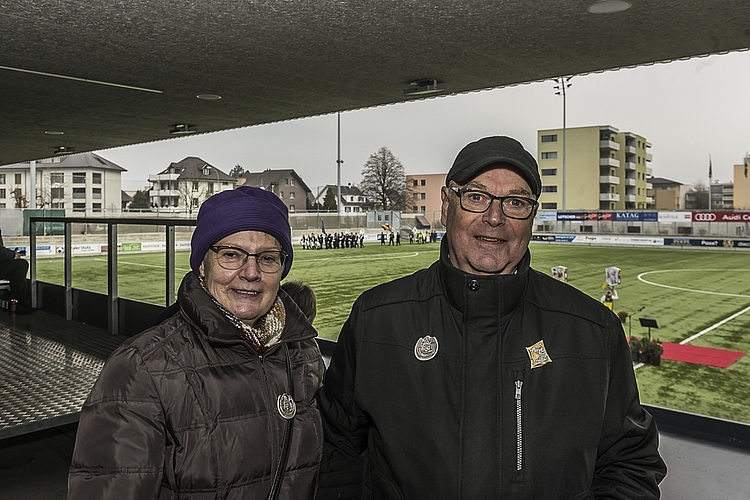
[339,161]
[563,83]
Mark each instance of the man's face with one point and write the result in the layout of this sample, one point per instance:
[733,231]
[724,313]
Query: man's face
[490,242]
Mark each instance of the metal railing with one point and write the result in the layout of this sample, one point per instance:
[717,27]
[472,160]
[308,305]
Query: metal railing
[112,226]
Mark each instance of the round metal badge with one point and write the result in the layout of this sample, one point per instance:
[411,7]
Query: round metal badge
[286,406]
[426,348]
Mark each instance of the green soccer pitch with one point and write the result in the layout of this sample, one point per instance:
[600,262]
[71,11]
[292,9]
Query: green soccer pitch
[685,290]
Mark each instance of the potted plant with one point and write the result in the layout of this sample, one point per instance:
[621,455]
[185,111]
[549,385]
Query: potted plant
[636,349]
[652,351]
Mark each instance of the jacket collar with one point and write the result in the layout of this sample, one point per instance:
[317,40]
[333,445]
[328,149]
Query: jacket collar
[198,307]
[463,288]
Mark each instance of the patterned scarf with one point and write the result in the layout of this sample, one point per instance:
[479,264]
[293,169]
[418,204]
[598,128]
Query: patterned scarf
[267,329]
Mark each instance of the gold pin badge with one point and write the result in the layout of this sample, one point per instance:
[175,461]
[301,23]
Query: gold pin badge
[538,355]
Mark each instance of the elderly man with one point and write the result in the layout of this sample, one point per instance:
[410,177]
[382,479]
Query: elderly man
[480,377]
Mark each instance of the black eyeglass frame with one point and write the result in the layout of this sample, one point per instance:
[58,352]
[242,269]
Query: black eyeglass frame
[217,248]
[461,191]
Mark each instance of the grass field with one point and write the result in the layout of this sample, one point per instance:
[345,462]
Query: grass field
[685,290]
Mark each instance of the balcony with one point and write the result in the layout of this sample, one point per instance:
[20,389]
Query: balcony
[649,157]
[630,198]
[609,145]
[163,177]
[609,162]
[649,185]
[609,197]
[630,182]
[631,150]
[630,165]
[164,193]
[609,179]
[649,171]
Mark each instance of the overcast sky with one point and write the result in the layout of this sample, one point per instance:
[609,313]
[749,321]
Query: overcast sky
[687,110]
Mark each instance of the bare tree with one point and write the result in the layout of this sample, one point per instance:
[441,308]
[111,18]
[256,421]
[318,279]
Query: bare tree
[192,194]
[698,197]
[384,181]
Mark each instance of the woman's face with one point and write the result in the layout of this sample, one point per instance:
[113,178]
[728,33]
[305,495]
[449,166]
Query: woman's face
[247,292]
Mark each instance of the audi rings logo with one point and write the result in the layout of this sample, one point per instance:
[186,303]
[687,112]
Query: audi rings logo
[704,217]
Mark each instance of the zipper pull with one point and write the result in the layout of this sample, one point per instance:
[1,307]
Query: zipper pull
[519,383]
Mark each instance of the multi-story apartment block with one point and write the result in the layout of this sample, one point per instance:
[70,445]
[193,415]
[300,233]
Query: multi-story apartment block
[423,196]
[742,185]
[722,195]
[667,194]
[185,185]
[285,183]
[604,169]
[85,183]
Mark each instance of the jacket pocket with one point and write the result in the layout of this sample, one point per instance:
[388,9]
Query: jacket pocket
[519,475]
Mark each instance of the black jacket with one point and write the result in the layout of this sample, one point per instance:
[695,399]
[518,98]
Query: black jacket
[476,421]
[188,410]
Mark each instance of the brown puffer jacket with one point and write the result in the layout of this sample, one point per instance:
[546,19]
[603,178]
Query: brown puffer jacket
[187,410]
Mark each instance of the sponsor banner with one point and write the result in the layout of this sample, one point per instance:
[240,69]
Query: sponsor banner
[565,238]
[130,247]
[546,216]
[721,216]
[87,249]
[182,245]
[153,246]
[635,216]
[45,250]
[675,216]
[677,242]
[571,215]
[543,237]
[706,242]
[618,240]
[650,216]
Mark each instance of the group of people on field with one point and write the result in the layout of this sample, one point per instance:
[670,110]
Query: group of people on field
[335,240]
[476,378]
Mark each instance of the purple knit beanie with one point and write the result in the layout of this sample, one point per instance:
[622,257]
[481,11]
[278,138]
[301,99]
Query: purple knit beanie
[245,208]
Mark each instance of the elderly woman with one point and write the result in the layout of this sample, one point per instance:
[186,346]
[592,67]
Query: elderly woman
[218,401]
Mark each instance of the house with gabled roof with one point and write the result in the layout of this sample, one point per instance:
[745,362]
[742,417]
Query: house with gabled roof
[183,186]
[84,182]
[352,199]
[284,183]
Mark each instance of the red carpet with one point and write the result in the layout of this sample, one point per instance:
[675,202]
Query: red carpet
[721,358]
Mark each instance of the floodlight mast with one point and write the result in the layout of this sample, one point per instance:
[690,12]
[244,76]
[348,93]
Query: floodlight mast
[563,83]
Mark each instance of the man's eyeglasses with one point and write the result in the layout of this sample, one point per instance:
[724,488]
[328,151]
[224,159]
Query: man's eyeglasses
[233,258]
[513,207]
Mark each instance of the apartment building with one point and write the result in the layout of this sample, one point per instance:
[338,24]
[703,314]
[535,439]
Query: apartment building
[423,196]
[352,199]
[722,195]
[285,183]
[603,169]
[742,185]
[84,183]
[667,194]
[183,186]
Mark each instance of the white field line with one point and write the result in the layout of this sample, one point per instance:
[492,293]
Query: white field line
[712,327]
[725,320]
[640,278]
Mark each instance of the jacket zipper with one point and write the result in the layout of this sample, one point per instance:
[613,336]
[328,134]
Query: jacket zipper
[519,475]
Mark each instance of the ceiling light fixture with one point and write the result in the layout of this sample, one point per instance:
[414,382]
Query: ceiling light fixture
[77,79]
[422,87]
[209,97]
[609,6]
[54,132]
[64,150]
[182,129]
